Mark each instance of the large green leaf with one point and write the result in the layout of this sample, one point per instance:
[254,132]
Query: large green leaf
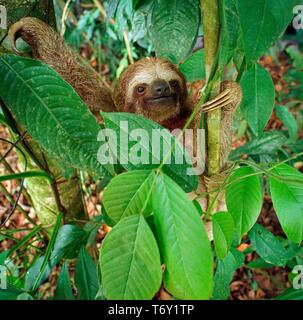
[223,230]
[244,199]
[258,97]
[184,243]
[174,28]
[262,22]
[130,261]
[86,276]
[287,197]
[268,247]
[193,67]
[127,193]
[52,113]
[136,147]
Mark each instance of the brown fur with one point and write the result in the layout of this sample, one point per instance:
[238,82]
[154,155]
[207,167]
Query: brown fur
[171,111]
[148,70]
[49,47]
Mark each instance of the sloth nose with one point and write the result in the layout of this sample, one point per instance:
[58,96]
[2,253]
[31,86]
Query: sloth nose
[161,88]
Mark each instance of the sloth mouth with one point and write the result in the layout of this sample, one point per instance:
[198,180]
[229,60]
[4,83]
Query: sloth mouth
[161,99]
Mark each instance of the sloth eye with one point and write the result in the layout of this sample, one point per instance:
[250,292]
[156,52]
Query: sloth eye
[174,83]
[140,89]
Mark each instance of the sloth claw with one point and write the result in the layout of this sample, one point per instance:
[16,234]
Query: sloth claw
[221,100]
[13,35]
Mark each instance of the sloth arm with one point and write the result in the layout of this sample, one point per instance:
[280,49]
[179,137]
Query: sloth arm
[49,47]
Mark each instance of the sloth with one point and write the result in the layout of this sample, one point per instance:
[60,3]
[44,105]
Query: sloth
[151,87]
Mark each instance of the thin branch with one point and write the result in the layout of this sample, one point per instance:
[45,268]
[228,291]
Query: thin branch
[128,48]
[64,17]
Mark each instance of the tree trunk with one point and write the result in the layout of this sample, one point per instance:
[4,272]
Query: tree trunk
[211,28]
[64,194]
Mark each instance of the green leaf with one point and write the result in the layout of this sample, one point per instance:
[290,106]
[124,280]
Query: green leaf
[262,22]
[127,193]
[258,97]
[86,277]
[144,152]
[268,143]
[193,67]
[259,263]
[46,264]
[2,119]
[184,244]
[223,230]
[130,261]
[296,56]
[244,199]
[64,289]
[291,294]
[33,272]
[287,198]
[112,8]
[4,254]
[174,28]
[92,227]
[52,113]
[267,246]
[288,120]
[69,240]
[25,296]
[294,250]
[20,243]
[229,30]
[224,273]
[10,293]
[135,3]
[141,20]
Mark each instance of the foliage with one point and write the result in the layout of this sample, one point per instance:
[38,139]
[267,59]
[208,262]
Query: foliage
[158,235]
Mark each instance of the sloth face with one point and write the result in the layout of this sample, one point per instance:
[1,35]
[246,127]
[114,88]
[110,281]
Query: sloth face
[153,88]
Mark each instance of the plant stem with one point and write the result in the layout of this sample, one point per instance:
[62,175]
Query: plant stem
[11,200]
[241,71]
[211,27]
[128,48]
